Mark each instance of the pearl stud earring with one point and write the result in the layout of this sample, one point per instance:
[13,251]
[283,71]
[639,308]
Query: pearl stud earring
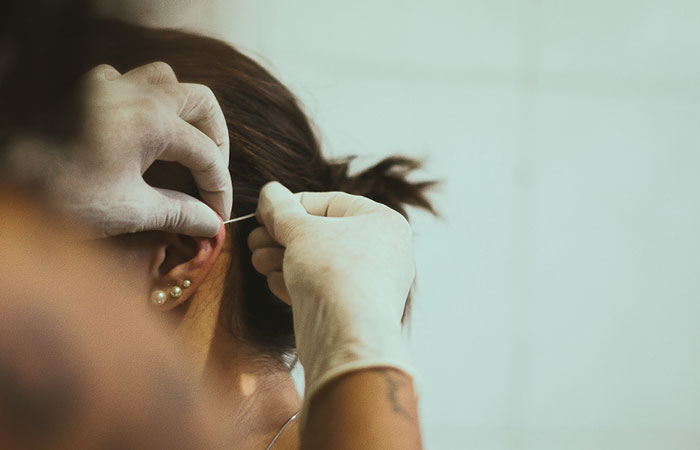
[158,297]
[175,292]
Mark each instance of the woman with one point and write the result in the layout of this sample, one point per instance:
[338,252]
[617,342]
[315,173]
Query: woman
[239,335]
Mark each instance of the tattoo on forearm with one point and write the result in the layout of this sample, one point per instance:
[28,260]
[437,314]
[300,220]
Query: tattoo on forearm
[394,384]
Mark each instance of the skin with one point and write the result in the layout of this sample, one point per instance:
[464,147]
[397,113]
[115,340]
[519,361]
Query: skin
[80,365]
[98,366]
[85,364]
[257,392]
[260,392]
[365,409]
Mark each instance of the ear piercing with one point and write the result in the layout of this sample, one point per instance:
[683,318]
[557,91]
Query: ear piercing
[158,297]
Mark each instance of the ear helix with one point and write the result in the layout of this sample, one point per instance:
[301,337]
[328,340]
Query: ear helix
[159,296]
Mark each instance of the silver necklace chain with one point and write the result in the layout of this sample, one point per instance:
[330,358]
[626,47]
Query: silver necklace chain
[279,433]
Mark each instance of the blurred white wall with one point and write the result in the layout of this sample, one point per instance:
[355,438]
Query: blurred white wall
[558,304]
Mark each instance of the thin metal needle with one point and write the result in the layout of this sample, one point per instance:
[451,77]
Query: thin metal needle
[238,219]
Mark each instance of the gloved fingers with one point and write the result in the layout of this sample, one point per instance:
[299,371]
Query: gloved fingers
[330,204]
[260,238]
[156,72]
[197,105]
[275,281]
[194,150]
[103,71]
[268,259]
[176,212]
[280,212]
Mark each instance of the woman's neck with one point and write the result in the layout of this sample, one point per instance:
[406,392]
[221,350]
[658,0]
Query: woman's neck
[257,391]
[261,393]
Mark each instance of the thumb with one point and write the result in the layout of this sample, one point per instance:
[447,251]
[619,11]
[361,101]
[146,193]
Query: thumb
[180,213]
[279,211]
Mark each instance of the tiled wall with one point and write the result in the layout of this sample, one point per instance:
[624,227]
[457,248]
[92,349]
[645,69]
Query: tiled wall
[558,301]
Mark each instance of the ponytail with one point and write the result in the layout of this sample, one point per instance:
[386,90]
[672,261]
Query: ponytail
[386,182]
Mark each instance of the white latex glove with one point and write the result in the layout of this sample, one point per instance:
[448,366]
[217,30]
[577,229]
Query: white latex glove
[131,120]
[345,264]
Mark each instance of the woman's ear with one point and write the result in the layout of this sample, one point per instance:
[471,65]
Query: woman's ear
[179,266]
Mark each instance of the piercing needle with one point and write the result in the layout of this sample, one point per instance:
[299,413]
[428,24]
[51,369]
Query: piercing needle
[238,219]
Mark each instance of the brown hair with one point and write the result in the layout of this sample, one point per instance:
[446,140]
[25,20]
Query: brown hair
[271,139]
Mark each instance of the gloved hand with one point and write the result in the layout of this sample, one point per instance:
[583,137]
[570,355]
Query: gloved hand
[131,120]
[345,264]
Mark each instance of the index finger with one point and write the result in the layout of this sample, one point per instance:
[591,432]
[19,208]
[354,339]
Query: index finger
[194,150]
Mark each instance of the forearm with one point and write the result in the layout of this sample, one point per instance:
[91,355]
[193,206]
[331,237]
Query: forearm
[366,409]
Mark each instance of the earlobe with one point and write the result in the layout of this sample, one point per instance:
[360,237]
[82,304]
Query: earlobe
[181,265]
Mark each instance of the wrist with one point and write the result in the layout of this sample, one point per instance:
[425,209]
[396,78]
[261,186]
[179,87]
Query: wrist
[337,337]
